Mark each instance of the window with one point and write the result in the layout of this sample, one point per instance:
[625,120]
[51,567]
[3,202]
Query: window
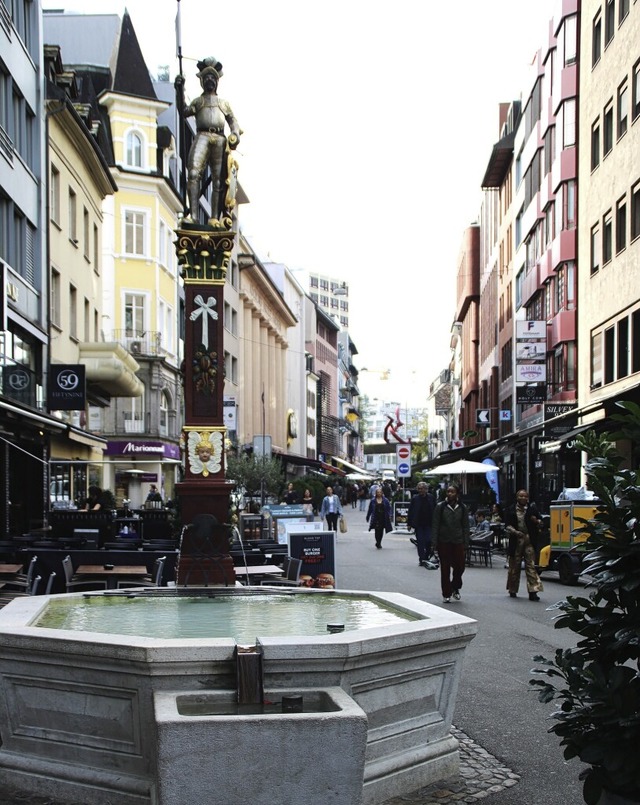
[621,225]
[609,354]
[134,149]
[607,238]
[623,348]
[164,414]
[609,21]
[134,227]
[162,244]
[55,298]
[635,211]
[635,85]
[96,249]
[595,248]
[596,360]
[134,318]
[570,40]
[569,123]
[133,419]
[607,129]
[73,217]
[73,312]
[86,237]
[596,40]
[623,10]
[55,195]
[595,145]
[87,320]
[506,361]
[635,341]
[623,109]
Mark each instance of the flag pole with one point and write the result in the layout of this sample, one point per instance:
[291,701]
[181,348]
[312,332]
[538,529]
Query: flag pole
[180,104]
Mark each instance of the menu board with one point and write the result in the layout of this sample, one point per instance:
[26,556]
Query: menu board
[317,550]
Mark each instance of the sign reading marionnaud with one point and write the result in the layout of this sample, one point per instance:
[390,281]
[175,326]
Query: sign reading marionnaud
[142,449]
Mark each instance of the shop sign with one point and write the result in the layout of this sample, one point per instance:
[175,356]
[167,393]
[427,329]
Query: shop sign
[67,387]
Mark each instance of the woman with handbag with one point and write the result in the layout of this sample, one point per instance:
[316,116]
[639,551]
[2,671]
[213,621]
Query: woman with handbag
[331,509]
[379,516]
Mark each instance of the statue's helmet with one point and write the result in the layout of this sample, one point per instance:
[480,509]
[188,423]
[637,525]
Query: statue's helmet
[209,66]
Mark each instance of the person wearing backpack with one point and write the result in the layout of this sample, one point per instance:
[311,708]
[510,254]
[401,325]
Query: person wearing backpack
[450,536]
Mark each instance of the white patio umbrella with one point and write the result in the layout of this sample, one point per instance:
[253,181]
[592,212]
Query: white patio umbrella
[463,467]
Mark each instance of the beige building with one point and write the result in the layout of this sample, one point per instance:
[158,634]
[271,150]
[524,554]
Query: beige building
[79,181]
[609,205]
[265,319]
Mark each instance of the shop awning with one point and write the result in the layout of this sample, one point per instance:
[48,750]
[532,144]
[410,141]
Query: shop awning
[349,466]
[330,468]
[556,444]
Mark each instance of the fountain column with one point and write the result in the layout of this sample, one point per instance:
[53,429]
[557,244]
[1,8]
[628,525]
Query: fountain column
[204,256]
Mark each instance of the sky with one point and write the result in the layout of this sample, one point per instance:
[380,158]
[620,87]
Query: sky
[368,126]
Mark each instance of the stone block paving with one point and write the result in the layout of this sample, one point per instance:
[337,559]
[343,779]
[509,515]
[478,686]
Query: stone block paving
[481,774]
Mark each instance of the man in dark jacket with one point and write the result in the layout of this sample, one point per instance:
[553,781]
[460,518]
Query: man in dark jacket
[420,518]
[523,523]
[450,538]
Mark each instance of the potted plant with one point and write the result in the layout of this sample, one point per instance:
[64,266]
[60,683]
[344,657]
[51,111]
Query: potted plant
[597,683]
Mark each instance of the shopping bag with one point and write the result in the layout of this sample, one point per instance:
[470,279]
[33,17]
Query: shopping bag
[343,524]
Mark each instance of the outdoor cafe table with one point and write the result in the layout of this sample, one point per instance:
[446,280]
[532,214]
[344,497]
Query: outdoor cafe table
[259,570]
[10,570]
[112,574]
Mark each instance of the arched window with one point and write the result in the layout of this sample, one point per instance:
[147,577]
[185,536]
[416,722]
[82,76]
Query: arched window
[165,404]
[134,149]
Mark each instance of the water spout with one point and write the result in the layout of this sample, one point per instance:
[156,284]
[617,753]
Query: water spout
[250,674]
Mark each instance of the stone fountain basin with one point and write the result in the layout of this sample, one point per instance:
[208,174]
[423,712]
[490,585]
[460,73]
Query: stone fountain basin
[77,711]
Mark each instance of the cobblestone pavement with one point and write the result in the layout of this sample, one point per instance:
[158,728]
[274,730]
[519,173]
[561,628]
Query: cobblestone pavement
[481,775]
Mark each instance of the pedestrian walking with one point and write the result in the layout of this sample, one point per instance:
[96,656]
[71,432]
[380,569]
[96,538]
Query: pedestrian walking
[331,509]
[363,496]
[379,516]
[523,523]
[420,519]
[450,539]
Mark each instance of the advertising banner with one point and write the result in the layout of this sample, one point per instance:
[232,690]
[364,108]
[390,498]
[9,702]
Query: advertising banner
[531,373]
[400,516]
[317,550]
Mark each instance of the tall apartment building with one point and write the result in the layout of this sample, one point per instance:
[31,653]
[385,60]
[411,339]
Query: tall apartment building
[332,296]
[609,213]
[25,427]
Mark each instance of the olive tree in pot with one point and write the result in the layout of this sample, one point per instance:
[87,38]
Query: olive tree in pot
[597,683]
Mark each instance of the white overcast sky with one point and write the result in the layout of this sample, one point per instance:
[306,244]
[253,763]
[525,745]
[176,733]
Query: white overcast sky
[368,127]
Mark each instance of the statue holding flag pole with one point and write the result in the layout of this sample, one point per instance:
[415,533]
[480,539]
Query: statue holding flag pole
[204,254]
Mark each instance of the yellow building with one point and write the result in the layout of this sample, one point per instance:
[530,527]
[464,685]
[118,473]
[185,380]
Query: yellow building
[140,294]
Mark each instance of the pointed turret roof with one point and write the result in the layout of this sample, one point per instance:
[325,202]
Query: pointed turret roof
[131,74]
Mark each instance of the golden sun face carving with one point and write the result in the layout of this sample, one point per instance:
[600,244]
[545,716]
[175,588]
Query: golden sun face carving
[205,452]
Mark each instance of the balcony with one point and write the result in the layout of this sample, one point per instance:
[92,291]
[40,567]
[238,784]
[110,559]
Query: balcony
[109,366]
[146,343]
[563,328]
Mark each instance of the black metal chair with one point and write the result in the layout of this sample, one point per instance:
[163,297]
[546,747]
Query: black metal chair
[292,568]
[74,582]
[154,580]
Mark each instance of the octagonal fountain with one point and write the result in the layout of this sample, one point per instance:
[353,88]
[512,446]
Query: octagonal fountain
[133,697]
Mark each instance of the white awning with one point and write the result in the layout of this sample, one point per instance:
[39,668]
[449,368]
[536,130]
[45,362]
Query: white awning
[350,466]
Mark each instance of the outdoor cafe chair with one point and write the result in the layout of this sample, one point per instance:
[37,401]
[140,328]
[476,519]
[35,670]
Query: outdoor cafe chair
[73,582]
[291,576]
[154,580]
